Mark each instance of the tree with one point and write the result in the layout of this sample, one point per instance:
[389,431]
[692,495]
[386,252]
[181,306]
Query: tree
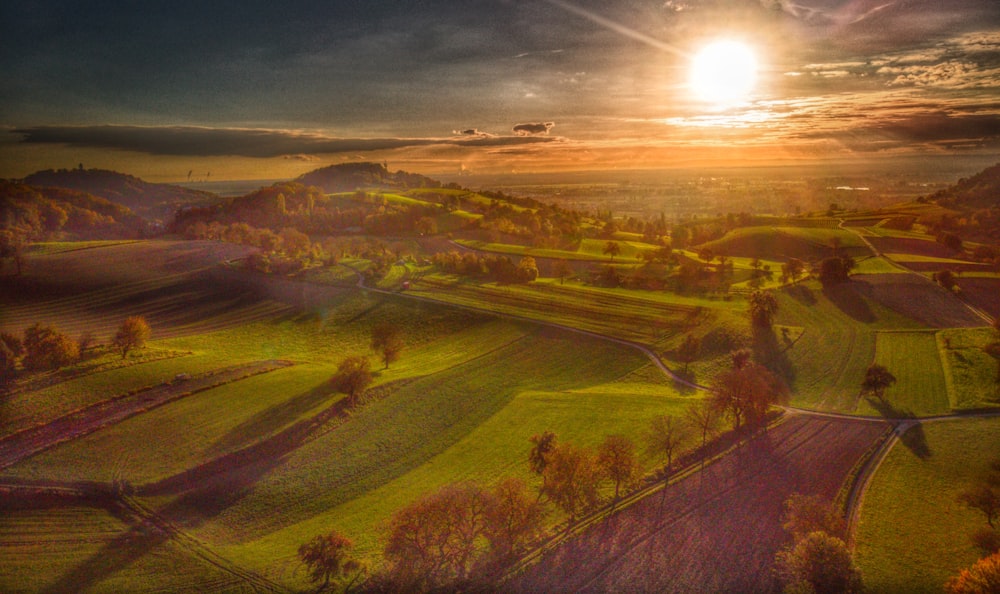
[132,334]
[47,348]
[327,557]
[616,460]
[8,365]
[689,350]
[702,416]
[763,306]
[527,270]
[434,541]
[12,245]
[835,270]
[946,279]
[562,270]
[612,248]
[542,446]
[792,270]
[985,498]
[982,578]
[663,437]
[570,478]
[745,391]
[513,519]
[819,564]
[387,341]
[805,514]
[877,379]
[352,377]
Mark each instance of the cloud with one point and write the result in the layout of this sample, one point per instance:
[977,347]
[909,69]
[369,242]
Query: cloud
[246,142]
[533,129]
[931,129]
[473,132]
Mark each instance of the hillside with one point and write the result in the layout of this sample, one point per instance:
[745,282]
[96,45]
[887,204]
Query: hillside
[156,202]
[43,212]
[979,191]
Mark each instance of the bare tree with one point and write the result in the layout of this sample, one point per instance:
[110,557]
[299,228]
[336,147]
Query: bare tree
[132,334]
[617,461]
[352,377]
[387,340]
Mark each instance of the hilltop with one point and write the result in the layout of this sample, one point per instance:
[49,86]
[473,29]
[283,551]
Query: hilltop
[350,176]
[156,202]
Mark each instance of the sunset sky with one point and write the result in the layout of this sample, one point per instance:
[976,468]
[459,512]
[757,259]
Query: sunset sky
[251,89]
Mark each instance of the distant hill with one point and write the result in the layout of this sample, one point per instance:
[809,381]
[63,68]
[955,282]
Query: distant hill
[156,202]
[347,177]
[979,191]
[49,212]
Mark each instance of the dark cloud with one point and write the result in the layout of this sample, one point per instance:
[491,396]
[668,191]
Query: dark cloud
[203,142]
[533,128]
[474,132]
[939,129]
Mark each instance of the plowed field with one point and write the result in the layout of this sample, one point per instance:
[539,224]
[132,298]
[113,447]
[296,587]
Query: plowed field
[716,531]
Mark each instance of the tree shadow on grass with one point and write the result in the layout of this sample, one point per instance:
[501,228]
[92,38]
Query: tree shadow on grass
[268,421]
[771,353]
[845,296]
[687,375]
[802,294]
[913,438]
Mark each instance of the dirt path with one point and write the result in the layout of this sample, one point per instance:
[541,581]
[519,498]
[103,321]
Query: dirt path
[28,442]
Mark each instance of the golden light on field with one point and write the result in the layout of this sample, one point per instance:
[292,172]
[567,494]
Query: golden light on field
[723,72]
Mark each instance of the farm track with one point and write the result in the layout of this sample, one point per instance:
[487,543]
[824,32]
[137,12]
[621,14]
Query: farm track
[28,442]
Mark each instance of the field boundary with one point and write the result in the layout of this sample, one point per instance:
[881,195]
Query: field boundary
[33,440]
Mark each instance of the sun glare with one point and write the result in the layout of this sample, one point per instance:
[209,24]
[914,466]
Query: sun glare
[723,72]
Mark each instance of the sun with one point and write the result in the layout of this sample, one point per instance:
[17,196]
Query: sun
[723,72]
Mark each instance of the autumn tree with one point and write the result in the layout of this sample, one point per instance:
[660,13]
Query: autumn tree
[327,557]
[132,334]
[617,461]
[527,270]
[352,377]
[387,341]
[805,514]
[689,350]
[835,270]
[513,519]
[877,379]
[946,279]
[434,541]
[663,437]
[703,417]
[818,564]
[571,478]
[562,270]
[746,391]
[983,577]
[47,348]
[763,306]
[612,248]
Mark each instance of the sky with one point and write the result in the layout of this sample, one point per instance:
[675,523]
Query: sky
[183,90]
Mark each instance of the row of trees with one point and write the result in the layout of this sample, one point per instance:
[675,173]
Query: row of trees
[43,347]
[495,267]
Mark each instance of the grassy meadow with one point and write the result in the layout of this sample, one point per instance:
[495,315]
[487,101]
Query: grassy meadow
[913,533]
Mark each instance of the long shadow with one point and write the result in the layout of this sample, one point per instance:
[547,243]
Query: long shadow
[802,294]
[688,375]
[772,354]
[847,299]
[269,420]
[914,438]
[205,491]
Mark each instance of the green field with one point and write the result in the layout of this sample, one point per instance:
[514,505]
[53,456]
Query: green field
[913,533]
[784,242]
[970,372]
[913,358]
